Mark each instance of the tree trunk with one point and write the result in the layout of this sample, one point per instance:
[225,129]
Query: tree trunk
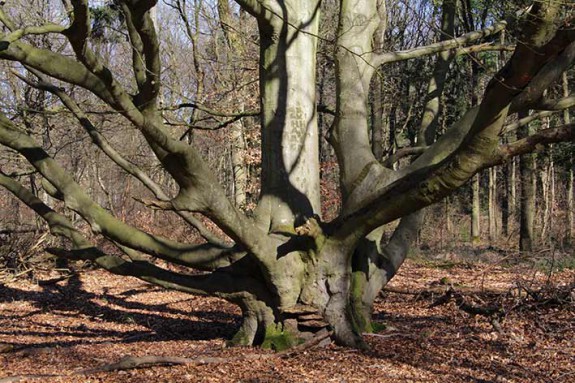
[513,189]
[230,27]
[570,197]
[476,184]
[527,208]
[475,211]
[290,158]
[493,210]
[570,204]
[548,190]
[238,164]
[506,185]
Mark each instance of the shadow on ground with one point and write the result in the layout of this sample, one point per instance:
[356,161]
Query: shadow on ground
[70,300]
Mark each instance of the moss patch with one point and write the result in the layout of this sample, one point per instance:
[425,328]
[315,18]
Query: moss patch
[278,339]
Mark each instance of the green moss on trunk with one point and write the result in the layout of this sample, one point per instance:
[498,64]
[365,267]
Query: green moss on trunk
[361,316]
[278,338]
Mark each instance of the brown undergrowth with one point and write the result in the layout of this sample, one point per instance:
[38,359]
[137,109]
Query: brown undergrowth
[94,319]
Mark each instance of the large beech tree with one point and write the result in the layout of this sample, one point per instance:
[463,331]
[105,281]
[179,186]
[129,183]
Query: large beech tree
[291,273]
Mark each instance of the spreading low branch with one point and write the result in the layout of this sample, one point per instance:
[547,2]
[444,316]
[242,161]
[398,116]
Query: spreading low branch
[184,254]
[216,283]
[37,30]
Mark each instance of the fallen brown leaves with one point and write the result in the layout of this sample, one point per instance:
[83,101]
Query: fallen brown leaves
[95,319]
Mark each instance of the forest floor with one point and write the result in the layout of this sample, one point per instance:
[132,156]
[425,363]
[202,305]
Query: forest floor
[524,331]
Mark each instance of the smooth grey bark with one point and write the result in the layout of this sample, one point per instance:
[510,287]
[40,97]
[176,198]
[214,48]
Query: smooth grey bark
[378,130]
[290,136]
[547,177]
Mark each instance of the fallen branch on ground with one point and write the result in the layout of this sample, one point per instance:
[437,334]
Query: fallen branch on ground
[462,304]
[131,362]
[18,378]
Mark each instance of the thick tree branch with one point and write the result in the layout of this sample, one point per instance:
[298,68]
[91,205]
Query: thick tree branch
[549,107]
[58,66]
[529,98]
[4,19]
[532,143]
[137,49]
[213,112]
[39,30]
[150,48]
[448,143]
[487,47]
[555,105]
[458,42]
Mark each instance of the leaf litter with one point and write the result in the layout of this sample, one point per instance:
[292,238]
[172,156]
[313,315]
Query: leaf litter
[51,332]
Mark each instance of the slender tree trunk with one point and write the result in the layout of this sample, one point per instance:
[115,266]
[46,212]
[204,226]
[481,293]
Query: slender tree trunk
[448,225]
[493,210]
[528,188]
[570,204]
[475,211]
[548,190]
[236,50]
[513,190]
[476,203]
[238,164]
[505,196]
